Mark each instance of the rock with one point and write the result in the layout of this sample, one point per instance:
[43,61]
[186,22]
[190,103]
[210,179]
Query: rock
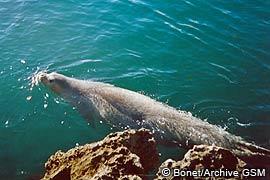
[204,157]
[130,154]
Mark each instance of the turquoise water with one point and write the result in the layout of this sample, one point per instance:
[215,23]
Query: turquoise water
[211,58]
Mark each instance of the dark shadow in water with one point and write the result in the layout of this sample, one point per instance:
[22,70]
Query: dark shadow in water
[8,163]
[259,134]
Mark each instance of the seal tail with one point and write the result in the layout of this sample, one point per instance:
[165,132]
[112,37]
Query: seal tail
[253,155]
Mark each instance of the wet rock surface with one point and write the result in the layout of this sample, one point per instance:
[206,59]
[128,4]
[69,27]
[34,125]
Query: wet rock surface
[123,155]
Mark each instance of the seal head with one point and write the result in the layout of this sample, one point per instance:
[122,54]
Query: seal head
[54,81]
[74,91]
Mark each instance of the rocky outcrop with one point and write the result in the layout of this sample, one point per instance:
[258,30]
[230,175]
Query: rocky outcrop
[132,154]
[204,158]
[123,155]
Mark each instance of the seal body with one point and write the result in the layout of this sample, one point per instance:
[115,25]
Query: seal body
[124,108]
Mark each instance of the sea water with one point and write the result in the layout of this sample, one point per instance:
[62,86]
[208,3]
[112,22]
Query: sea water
[210,58]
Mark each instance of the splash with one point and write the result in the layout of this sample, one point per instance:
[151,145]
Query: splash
[35,78]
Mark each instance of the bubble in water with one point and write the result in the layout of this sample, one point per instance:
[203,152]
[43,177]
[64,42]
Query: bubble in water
[56,101]
[46,96]
[23,61]
[45,106]
[28,98]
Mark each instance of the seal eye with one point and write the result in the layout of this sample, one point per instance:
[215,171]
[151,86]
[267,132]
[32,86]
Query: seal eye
[51,80]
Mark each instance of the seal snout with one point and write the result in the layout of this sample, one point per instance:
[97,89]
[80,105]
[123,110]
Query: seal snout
[42,77]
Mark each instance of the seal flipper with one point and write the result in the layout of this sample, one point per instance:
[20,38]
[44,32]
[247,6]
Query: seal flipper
[84,114]
[86,109]
[87,117]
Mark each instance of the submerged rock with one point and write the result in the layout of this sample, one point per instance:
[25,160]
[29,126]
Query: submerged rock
[130,154]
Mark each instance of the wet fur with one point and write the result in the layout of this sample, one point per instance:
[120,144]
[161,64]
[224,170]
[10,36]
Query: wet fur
[121,107]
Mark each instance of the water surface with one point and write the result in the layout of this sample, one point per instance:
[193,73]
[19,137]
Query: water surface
[210,58]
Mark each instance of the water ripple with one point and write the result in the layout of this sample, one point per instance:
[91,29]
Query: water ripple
[209,57]
[163,14]
[190,26]
[224,73]
[134,53]
[79,63]
[189,3]
[173,27]
[220,67]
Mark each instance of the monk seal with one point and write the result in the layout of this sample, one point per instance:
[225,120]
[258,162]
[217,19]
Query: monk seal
[122,107]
